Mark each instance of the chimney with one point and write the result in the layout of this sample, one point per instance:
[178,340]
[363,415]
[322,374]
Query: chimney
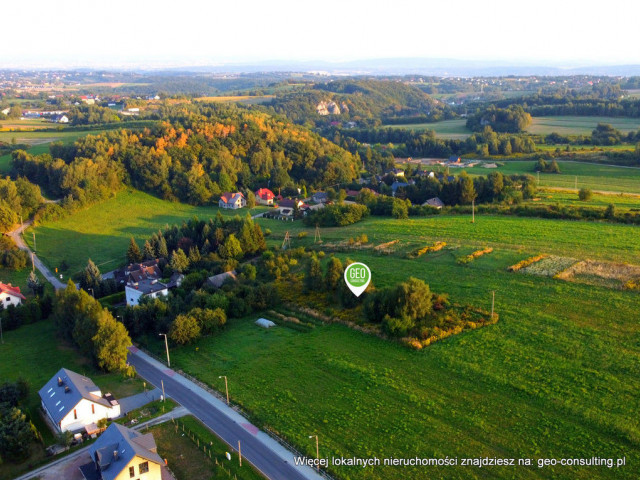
[59,381]
[66,389]
[115,454]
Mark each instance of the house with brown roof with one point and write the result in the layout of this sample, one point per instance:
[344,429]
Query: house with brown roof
[10,295]
[232,200]
[287,206]
[264,196]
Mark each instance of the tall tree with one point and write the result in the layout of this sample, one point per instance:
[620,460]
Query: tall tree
[467,190]
[162,248]
[33,282]
[134,255]
[148,251]
[179,261]
[110,343]
[334,273]
[91,277]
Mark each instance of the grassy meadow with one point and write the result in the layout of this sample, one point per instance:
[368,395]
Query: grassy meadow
[102,231]
[609,178]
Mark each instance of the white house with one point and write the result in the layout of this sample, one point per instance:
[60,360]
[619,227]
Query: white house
[10,295]
[121,453]
[153,288]
[6,111]
[232,200]
[72,401]
[60,119]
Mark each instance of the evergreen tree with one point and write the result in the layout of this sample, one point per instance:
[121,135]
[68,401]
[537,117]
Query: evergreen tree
[16,434]
[33,282]
[134,255]
[194,255]
[231,248]
[162,250]
[91,277]
[467,190]
[179,261]
[148,251]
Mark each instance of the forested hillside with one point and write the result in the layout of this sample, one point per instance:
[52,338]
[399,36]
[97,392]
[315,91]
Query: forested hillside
[196,153]
[365,101]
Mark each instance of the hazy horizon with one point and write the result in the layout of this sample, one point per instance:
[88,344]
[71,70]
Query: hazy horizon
[146,34]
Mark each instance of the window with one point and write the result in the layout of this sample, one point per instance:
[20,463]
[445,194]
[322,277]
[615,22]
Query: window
[132,472]
[143,467]
[75,414]
[93,409]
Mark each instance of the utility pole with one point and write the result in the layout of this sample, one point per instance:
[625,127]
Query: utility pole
[493,301]
[166,344]
[35,248]
[576,182]
[316,238]
[162,383]
[21,225]
[473,211]
[239,453]
[317,451]
[33,263]
[286,241]
[1,336]
[226,387]
[538,177]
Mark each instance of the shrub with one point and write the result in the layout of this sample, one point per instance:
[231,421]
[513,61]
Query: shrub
[585,194]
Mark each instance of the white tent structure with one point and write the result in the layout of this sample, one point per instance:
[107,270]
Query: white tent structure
[264,323]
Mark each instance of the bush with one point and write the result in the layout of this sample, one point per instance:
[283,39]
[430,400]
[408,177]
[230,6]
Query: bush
[585,194]
[337,215]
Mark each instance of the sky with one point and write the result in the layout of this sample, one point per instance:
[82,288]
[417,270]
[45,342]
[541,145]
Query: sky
[142,33]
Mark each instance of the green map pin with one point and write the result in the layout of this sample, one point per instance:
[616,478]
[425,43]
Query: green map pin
[357,277]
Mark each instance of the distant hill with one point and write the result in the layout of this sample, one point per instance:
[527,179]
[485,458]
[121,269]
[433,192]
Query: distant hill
[365,101]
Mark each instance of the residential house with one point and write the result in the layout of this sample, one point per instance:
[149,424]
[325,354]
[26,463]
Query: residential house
[6,111]
[352,193]
[396,185]
[121,453]
[434,202]
[288,205]
[217,281]
[72,401]
[143,279]
[232,200]
[320,197]
[264,196]
[454,159]
[60,119]
[10,295]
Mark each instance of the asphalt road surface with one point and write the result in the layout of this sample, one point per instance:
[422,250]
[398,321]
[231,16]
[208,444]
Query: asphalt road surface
[253,449]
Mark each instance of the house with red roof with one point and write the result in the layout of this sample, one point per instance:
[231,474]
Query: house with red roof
[232,200]
[10,295]
[264,196]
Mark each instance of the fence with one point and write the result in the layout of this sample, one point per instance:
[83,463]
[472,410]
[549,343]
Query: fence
[266,429]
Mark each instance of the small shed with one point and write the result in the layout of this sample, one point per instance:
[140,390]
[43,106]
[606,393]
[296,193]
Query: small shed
[264,323]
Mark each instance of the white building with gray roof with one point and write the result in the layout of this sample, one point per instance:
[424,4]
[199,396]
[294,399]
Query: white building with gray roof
[72,401]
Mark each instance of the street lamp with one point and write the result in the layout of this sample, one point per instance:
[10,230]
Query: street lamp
[317,451]
[166,344]
[226,386]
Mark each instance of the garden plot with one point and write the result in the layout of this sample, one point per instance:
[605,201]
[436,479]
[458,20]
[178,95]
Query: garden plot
[549,266]
[606,274]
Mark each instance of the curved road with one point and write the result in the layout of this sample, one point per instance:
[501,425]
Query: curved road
[263,452]
[16,235]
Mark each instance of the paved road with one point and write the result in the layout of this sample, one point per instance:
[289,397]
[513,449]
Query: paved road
[16,235]
[267,455]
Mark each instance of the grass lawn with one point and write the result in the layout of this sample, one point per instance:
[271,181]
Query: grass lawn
[620,200]
[578,125]
[178,443]
[102,231]
[34,352]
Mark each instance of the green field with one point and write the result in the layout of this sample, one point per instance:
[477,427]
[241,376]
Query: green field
[455,129]
[621,201]
[102,231]
[564,125]
[188,461]
[607,178]
[19,278]
[577,125]
[556,377]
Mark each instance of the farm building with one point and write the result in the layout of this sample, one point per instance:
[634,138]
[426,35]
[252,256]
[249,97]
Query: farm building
[72,401]
[10,295]
[232,200]
[217,281]
[123,453]
[264,196]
